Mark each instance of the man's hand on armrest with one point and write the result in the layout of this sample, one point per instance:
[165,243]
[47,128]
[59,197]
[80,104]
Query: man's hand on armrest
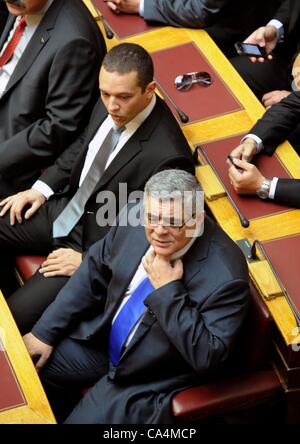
[38,350]
[17,202]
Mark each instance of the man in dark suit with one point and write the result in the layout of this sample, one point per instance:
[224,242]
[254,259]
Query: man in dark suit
[271,130]
[224,20]
[186,281]
[271,79]
[48,85]
[151,141]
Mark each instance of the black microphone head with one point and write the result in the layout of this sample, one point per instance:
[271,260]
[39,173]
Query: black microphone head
[183,117]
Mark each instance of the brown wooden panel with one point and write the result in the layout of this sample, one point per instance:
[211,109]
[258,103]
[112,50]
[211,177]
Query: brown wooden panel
[199,102]
[123,25]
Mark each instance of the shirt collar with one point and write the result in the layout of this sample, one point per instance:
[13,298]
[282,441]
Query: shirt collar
[179,254]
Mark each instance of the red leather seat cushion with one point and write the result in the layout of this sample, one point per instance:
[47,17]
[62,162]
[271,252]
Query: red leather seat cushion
[27,265]
[220,397]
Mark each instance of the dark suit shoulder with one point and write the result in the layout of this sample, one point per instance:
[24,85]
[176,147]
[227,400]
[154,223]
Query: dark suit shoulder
[225,252]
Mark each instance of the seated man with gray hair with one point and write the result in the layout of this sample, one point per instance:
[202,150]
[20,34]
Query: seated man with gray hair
[154,307]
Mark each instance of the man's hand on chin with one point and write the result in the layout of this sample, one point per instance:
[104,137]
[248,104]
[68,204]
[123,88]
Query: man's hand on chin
[161,270]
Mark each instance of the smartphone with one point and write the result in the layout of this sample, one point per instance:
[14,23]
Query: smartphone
[250,50]
[231,160]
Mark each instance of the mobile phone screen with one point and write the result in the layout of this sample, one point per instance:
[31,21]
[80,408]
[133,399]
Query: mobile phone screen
[252,49]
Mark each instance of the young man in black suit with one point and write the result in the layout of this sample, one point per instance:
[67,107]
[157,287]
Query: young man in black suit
[48,85]
[151,141]
[185,281]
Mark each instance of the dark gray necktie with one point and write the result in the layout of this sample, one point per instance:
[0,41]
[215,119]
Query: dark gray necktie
[71,214]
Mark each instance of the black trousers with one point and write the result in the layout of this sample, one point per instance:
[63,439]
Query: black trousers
[75,365]
[264,77]
[34,236]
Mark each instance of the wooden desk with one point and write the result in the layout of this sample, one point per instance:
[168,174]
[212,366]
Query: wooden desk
[34,409]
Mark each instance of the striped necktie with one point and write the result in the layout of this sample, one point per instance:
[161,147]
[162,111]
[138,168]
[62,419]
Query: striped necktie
[13,43]
[71,214]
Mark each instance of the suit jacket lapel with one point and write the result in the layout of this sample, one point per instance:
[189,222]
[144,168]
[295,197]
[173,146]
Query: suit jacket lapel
[36,44]
[98,115]
[8,27]
[136,247]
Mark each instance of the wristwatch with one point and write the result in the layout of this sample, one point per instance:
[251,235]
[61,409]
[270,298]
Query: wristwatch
[264,189]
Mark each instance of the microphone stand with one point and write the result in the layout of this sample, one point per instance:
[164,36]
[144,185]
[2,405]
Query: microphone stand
[182,116]
[244,221]
[108,31]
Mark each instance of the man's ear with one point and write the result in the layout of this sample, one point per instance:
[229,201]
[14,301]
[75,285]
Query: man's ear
[150,88]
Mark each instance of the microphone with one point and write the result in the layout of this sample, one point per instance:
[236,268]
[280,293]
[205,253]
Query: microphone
[182,116]
[108,31]
[244,221]
[253,255]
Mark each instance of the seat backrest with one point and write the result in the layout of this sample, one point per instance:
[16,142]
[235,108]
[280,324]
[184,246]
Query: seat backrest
[253,349]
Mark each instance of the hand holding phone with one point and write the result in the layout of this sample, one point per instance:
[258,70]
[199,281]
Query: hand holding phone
[250,50]
[232,161]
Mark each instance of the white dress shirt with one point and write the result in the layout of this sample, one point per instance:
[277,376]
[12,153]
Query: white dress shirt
[96,143]
[33,21]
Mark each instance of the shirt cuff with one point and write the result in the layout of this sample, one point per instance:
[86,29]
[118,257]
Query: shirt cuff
[280,29]
[43,188]
[141,8]
[273,187]
[259,142]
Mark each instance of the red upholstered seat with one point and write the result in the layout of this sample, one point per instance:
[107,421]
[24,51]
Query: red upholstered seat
[26,266]
[250,379]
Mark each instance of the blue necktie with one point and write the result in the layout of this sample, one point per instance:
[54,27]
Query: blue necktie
[127,318]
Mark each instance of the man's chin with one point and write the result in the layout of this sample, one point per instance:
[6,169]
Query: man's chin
[163,251]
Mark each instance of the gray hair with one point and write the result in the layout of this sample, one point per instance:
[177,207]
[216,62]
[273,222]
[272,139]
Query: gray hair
[176,184]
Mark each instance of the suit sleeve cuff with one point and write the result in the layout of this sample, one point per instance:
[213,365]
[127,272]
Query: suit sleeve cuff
[280,29]
[259,143]
[43,188]
[273,187]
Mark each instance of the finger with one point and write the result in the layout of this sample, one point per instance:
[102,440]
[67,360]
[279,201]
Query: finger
[178,266]
[112,6]
[49,274]
[244,165]
[40,363]
[234,174]
[6,207]
[145,264]
[4,201]
[12,216]
[16,212]
[51,263]
[260,37]
[34,207]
